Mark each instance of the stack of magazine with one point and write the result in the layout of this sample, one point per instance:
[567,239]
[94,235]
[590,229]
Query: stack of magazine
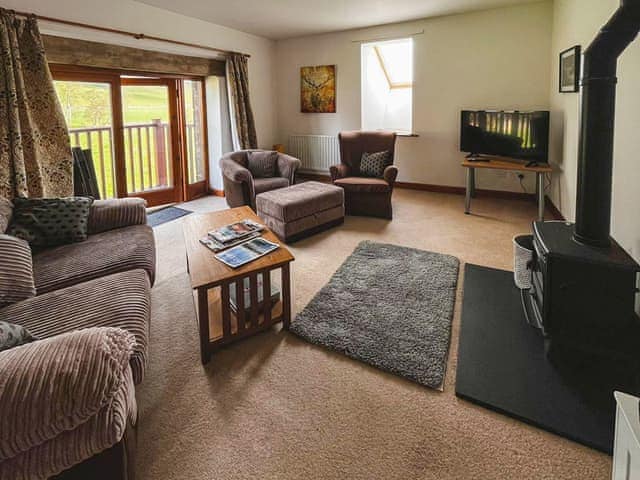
[238,243]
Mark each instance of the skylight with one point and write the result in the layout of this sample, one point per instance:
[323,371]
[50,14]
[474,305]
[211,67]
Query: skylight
[396,60]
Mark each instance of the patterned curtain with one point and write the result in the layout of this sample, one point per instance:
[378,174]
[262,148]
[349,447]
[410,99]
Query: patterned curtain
[243,126]
[35,154]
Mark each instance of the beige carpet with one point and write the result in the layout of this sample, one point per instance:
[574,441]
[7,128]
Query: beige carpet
[275,407]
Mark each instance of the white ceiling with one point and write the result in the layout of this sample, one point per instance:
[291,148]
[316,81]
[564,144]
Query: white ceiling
[278,19]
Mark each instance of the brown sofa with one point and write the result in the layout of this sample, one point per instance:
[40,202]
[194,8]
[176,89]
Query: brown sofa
[240,188]
[98,289]
[365,195]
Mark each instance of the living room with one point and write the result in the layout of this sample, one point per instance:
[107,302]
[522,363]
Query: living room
[395,342]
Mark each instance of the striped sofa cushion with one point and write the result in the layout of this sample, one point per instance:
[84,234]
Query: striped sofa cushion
[101,431]
[116,213]
[101,254]
[63,399]
[120,300]
[16,270]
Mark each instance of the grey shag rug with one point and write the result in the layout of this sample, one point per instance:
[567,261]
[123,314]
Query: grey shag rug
[388,306]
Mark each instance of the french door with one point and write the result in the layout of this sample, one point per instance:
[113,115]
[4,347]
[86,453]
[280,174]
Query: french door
[146,134]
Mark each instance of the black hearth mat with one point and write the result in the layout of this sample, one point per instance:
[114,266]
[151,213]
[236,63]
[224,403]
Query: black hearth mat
[502,366]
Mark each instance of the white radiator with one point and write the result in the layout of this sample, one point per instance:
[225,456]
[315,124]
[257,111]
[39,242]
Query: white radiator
[317,152]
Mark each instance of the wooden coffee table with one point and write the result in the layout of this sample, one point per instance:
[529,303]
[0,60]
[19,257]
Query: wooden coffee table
[211,279]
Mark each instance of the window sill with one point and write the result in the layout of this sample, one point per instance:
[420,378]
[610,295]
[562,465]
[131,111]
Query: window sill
[407,134]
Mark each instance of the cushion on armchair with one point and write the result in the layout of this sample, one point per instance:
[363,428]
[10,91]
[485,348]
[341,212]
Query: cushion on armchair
[55,385]
[16,270]
[373,164]
[262,164]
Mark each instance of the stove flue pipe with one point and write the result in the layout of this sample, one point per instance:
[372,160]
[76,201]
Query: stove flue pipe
[595,157]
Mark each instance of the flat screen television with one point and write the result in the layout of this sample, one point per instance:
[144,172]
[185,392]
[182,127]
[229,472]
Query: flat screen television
[519,135]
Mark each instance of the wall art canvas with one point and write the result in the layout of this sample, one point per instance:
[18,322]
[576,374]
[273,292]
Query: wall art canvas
[318,89]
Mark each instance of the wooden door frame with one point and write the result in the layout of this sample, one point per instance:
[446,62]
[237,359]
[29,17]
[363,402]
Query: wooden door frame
[73,73]
[175,193]
[202,187]
[182,190]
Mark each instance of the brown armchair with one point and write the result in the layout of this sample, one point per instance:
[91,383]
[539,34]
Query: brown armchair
[241,188]
[367,196]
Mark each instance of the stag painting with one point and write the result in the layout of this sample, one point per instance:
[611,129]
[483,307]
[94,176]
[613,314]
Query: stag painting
[318,89]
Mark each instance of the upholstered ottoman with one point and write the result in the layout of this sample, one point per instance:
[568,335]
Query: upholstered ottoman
[301,210]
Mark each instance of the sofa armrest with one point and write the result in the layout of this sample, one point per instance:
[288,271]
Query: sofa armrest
[54,385]
[390,173]
[287,167]
[116,213]
[339,171]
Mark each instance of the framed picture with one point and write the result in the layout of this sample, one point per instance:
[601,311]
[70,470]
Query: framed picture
[570,70]
[318,89]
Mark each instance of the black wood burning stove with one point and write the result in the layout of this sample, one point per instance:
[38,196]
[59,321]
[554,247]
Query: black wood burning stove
[584,283]
[583,298]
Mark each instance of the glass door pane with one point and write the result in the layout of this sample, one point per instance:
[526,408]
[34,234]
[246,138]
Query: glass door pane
[194,130]
[88,111]
[147,137]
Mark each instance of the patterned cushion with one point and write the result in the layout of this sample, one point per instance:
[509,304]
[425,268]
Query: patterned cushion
[6,209]
[373,164]
[45,222]
[12,335]
[16,270]
[262,164]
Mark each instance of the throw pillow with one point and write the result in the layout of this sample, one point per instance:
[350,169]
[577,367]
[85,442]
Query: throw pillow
[373,164]
[16,270]
[46,222]
[12,335]
[262,164]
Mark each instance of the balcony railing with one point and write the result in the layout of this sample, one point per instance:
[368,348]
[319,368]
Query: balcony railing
[147,152]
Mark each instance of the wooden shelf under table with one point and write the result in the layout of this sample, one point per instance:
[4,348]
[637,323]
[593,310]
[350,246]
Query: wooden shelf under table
[216,337]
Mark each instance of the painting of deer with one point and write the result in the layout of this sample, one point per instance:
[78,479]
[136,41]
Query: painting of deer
[318,89]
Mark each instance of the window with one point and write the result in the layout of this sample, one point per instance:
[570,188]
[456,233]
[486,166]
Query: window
[387,85]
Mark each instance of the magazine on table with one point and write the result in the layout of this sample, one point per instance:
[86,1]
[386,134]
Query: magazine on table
[236,231]
[245,252]
[216,246]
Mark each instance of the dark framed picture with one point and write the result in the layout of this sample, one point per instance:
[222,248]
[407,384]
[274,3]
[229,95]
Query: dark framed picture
[570,70]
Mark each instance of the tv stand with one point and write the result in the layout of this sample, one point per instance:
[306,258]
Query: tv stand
[473,157]
[504,164]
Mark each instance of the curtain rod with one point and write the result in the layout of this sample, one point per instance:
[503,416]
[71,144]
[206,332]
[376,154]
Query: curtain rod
[137,36]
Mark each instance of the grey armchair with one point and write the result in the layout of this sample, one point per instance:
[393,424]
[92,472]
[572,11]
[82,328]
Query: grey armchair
[240,186]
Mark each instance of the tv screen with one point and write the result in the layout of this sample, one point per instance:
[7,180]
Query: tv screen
[521,135]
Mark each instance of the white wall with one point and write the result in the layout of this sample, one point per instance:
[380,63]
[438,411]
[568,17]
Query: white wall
[496,59]
[576,22]
[141,18]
